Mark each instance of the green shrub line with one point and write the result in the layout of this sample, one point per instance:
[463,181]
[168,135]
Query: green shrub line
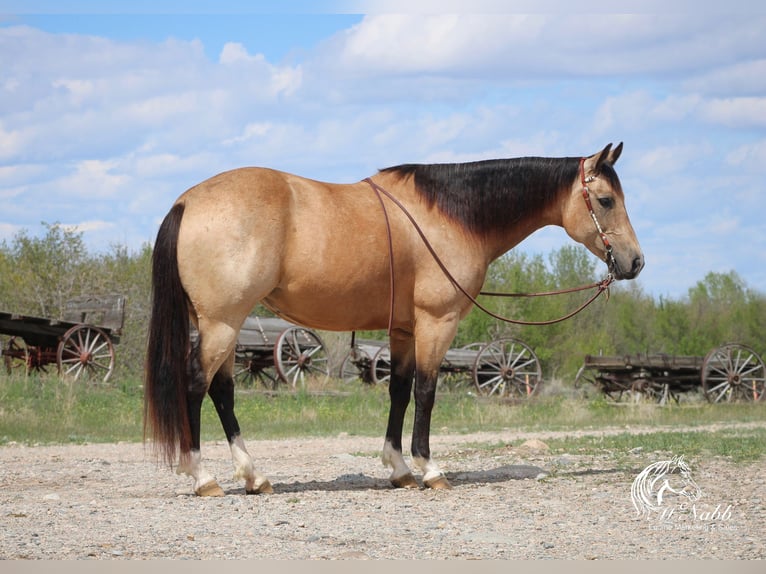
[46,410]
[41,271]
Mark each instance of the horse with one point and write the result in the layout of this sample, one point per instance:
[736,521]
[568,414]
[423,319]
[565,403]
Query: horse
[345,257]
[657,481]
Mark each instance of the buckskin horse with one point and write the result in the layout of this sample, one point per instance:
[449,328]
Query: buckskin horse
[401,250]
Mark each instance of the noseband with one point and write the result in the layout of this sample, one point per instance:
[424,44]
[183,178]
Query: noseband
[609,257]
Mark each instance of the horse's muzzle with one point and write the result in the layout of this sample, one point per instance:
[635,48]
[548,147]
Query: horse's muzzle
[630,271]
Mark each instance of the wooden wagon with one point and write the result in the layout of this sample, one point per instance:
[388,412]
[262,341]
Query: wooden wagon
[272,351]
[81,344]
[729,373]
[504,367]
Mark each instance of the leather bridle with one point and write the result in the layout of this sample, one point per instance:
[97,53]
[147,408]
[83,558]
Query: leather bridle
[609,256]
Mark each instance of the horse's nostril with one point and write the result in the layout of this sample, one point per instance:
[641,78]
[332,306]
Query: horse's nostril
[638,264]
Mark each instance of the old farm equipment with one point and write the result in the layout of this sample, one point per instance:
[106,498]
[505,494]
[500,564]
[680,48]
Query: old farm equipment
[729,373]
[81,345]
[503,367]
[272,351]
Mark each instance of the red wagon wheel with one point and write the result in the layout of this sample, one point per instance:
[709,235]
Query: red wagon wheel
[17,357]
[733,373]
[87,353]
[355,366]
[298,354]
[507,367]
[250,367]
[381,366]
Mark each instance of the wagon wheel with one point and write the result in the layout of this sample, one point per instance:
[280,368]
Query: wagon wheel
[507,367]
[733,373]
[86,352]
[17,357]
[381,366]
[646,389]
[300,353]
[248,371]
[355,366]
[459,377]
[584,379]
[473,346]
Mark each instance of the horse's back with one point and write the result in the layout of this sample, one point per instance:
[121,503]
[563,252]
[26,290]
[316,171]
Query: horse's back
[299,245]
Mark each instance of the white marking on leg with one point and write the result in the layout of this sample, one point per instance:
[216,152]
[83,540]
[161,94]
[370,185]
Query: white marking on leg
[192,466]
[243,465]
[428,467]
[394,458]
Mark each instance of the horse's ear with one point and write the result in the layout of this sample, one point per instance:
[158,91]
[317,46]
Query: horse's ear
[593,163]
[614,155]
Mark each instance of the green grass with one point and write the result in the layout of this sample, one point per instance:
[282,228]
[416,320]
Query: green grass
[46,410]
[737,445]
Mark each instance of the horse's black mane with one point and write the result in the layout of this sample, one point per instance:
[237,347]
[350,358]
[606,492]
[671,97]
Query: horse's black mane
[487,196]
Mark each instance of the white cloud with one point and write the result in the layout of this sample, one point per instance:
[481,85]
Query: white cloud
[541,45]
[750,156]
[234,52]
[87,226]
[664,160]
[109,133]
[736,112]
[741,78]
[94,179]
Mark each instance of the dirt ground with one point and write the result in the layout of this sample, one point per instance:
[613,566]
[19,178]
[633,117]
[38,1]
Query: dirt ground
[333,501]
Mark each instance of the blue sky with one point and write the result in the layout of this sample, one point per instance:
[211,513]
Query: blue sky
[108,111]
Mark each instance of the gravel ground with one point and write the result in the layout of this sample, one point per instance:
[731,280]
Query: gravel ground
[332,500]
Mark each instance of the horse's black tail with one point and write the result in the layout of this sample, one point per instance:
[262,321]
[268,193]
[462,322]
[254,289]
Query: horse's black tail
[168,348]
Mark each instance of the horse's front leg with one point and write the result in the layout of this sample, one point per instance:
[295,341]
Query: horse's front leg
[425,395]
[399,390]
[222,393]
[433,340]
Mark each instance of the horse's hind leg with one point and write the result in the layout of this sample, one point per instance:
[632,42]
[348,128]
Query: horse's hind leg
[191,462]
[222,393]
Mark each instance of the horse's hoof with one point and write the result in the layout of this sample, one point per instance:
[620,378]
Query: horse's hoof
[405,481]
[263,488]
[438,483]
[209,489]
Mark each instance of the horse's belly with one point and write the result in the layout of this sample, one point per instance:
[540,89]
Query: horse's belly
[334,308]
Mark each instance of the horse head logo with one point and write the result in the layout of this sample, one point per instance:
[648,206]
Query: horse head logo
[661,481]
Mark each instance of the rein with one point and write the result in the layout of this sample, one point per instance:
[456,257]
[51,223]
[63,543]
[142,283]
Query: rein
[601,286]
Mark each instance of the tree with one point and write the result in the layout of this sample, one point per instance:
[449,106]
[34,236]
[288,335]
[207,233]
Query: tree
[43,273]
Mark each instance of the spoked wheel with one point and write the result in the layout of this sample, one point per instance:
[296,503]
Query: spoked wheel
[356,366]
[381,366]
[733,373]
[585,380]
[249,370]
[613,386]
[507,367]
[300,354]
[17,357]
[648,390]
[86,353]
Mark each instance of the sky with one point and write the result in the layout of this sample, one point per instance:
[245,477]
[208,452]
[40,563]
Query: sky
[109,111]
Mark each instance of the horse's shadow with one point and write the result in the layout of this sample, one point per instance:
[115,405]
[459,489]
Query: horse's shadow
[360,482]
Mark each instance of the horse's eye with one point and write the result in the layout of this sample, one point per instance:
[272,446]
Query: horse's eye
[606,202]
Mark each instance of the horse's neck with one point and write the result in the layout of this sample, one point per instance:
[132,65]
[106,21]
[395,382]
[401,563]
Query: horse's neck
[503,241]
[524,217]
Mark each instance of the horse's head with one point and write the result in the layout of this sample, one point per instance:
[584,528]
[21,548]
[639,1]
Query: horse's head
[595,215]
[686,487]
